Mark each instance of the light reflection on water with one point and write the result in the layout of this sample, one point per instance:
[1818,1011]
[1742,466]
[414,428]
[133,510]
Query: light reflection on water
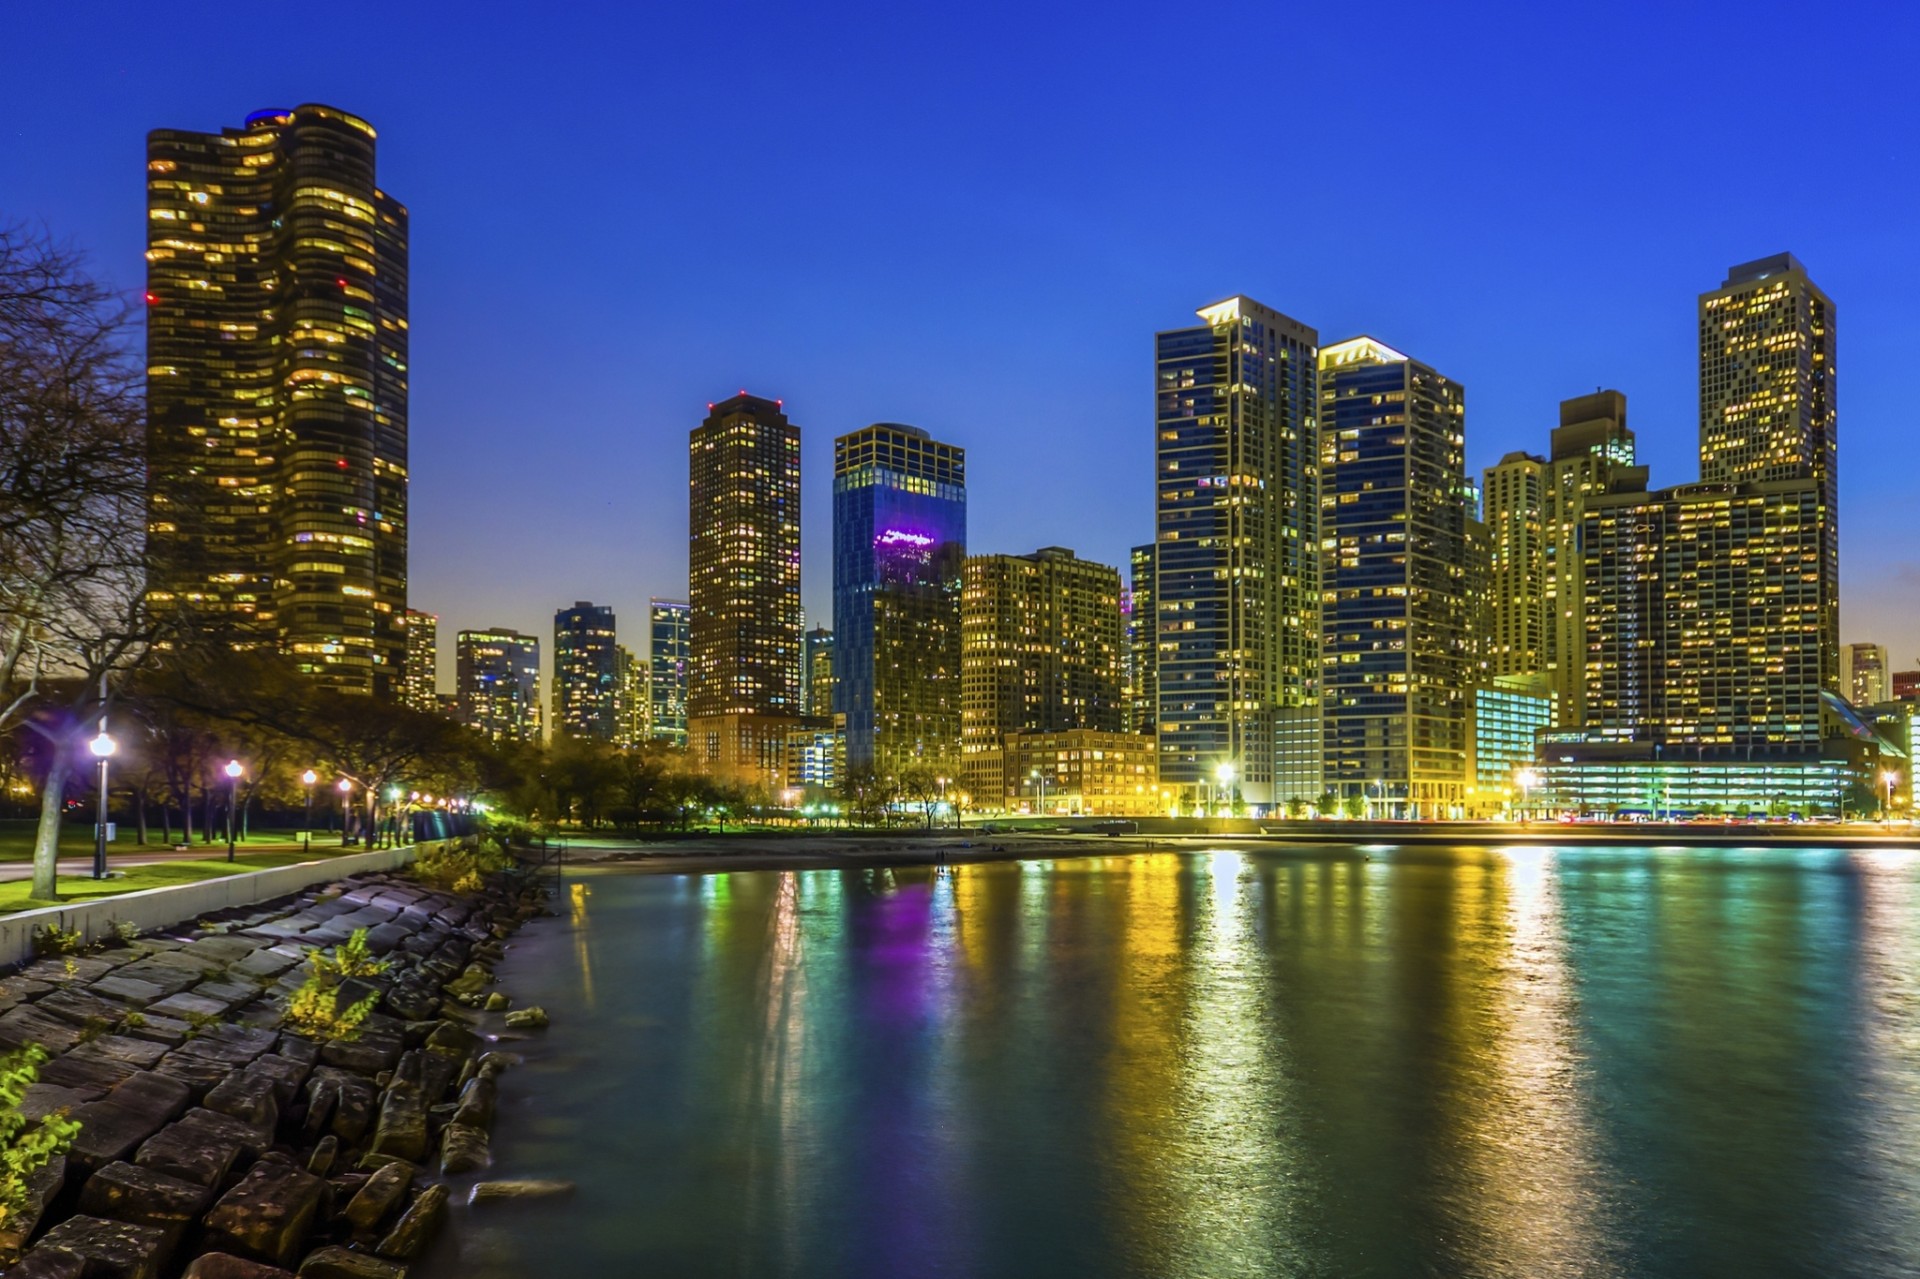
[1518,1062]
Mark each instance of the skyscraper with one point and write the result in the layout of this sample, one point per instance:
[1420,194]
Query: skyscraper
[1398,576]
[817,657]
[1592,453]
[1237,582]
[277,392]
[1768,404]
[899,542]
[422,688]
[1865,675]
[632,706]
[1143,657]
[1517,620]
[1041,650]
[586,673]
[743,673]
[499,671]
[667,670]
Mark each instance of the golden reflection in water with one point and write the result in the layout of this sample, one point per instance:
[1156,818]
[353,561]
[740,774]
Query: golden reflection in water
[577,917]
[1890,982]
[1531,1199]
[774,1092]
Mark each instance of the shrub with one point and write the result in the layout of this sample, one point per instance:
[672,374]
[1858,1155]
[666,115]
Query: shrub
[26,1145]
[315,1010]
[125,930]
[458,868]
[55,940]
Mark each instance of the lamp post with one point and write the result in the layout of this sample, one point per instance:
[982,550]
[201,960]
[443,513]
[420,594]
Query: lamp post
[1040,781]
[1224,774]
[394,811]
[308,778]
[1888,778]
[346,789]
[233,771]
[1528,779]
[102,747]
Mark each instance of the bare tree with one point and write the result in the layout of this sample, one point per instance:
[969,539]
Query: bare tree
[73,614]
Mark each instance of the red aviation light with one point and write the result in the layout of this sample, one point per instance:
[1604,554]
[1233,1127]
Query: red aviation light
[153,299]
[343,463]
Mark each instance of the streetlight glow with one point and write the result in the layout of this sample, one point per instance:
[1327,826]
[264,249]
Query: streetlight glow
[102,746]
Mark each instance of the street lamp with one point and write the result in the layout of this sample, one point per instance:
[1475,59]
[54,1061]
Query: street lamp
[1886,812]
[1040,780]
[308,778]
[346,789]
[233,771]
[1224,774]
[1528,779]
[102,747]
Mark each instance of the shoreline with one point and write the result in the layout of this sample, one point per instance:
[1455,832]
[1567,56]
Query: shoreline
[840,851]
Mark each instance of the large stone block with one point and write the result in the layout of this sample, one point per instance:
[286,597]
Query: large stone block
[28,1025]
[402,1130]
[154,1094]
[269,1214]
[111,1249]
[128,1192]
[110,1132]
[224,1265]
[247,1096]
[341,1263]
[417,1225]
[384,1191]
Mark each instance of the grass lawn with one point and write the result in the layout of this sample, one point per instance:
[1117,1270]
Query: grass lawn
[76,840]
[13,896]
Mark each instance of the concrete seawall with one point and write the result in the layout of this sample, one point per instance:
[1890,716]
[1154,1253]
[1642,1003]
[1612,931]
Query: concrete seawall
[154,908]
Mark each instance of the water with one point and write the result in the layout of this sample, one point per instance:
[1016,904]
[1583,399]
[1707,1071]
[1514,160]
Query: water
[1529,1062]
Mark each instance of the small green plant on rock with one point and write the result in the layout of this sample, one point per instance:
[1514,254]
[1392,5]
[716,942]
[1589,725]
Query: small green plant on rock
[461,869]
[315,1011]
[26,1145]
[125,930]
[52,939]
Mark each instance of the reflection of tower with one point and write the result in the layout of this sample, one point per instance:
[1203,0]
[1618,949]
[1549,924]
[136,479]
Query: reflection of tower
[899,539]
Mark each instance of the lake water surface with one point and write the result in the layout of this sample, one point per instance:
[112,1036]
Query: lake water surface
[1523,1062]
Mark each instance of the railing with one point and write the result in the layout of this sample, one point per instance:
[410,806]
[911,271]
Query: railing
[544,852]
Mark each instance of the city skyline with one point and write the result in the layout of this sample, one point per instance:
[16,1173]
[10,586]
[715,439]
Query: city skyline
[1079,274]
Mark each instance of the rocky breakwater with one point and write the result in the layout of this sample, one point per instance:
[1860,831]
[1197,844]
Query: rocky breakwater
[217,1143]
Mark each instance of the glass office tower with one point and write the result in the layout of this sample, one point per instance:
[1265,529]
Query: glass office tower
[899,547]
[586,673]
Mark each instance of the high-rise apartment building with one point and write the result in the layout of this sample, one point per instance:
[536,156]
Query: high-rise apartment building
[1592,453]
[1865,675]
[631,707]
[499,672]
[277,392]
[1041,650]
[421,689]
[1768,404]
[817,662]
[743,671]
[1236,584]
[667,671]
[1515,609]
[899,543]
[1398,579]
[1143,638]
[586,673]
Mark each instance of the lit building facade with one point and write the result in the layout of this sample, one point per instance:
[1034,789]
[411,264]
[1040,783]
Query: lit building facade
[632,708]
[421,690]
[1592,778]
[1509,714]
[667,671]
[1041,650]
[1399,580]
[277,392]
[1517,621]
[1768,405]
[899,545]
[1592,453]
[743,670]
[817,659]
[1865,676]
[1236,586]
[1080,772]
[1143,657]
[499,674]
[586,673]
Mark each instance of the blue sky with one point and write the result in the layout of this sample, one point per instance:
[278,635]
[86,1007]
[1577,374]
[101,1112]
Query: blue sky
[974,217]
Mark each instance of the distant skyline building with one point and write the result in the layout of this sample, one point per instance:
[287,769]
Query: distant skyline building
[1592,453]
[586,673]
[1517,617]
[1143,637]
[1399,580]
[276,323]
[1768,404]
[421,689]
[667,670]
[1041,650]
[632,707]
[743,669]
[1236,523]
[1866,678]
[817,662]
[499,671]
[899,543]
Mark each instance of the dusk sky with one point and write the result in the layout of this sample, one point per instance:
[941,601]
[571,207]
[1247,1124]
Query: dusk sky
[973,218]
